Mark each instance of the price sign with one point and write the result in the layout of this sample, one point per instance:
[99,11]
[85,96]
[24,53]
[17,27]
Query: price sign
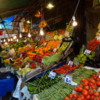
[68,79]
[70,63]
[20,55]
[87,52]
[98,38]
[45,44]
[55,49]
[52,75]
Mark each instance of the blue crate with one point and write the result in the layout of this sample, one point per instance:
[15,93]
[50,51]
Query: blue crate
[6,85]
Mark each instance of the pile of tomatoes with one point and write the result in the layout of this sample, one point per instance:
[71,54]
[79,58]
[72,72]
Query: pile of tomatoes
[89,89]
[65,69]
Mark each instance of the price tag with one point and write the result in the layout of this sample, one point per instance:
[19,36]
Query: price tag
[68,79]
[98,38]
[70,63]
[99,76]
[52,75]
[45,44]
[87,52]
[55,49]
[20,55]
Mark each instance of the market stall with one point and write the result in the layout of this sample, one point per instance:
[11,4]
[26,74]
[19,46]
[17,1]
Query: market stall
[40,61]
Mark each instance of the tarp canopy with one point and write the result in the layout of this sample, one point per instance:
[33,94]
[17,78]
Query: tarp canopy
[11,7]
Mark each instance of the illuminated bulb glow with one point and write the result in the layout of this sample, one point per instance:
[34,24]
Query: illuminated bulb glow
[74,21]
[6,43]
[50,6]
[11,39]
[41,31]
[4,40]
[29,35]
[20,35]
[28,22]
[17,40]
[15,37]
[8,39]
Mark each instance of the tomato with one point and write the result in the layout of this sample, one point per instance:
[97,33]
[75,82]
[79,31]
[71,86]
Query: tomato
[79,89]
[75,95]
[91,84]
[95,76]
[66,98]
[84,80]
[88,97]
[98,83]
[92,80]
[79,98]
[85,92]
[96,94]
[85,83]
[71,96]
[82,97]
[76,89]
[86,87]
[90,92]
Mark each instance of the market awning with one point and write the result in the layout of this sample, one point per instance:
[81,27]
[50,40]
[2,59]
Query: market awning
[11,7]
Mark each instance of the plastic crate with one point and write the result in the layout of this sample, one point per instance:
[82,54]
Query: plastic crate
[6,85]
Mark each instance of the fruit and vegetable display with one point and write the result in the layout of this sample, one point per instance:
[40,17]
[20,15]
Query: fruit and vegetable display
[56,92]
[96,61]
[82,72]
[89,89]
[93,45]
[65,69]
[82,58]
[41,83]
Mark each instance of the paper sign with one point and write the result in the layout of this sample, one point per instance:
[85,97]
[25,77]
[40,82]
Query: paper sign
[68,79]
[87,52]
[26,93]
[70,63]
[55,49]
[98,38]
[52,75]
[20,55]
[44,44]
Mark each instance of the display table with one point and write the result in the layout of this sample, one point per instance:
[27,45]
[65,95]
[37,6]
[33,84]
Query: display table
[6,85]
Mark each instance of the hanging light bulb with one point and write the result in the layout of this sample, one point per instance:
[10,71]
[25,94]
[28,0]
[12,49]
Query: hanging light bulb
[74,21]
[8,39]
[20,35]
[29,35]
[50,6]
[6,43]
[15,37]
[4,40]
[28,22]
[41,31]
[11,39]
[17,40]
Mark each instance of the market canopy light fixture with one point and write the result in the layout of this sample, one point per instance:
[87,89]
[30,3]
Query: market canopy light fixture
[11,39]
[15,37]
[28,22]
[6,43]
[8,39]
[41,31]
[4,40]
[74,23]
[17,40]
[20,35]
[50,6]
[29,35]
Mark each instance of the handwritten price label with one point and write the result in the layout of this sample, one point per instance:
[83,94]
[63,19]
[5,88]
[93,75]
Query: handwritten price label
[70,63]
[68,79]
[87,52]
[52,75]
